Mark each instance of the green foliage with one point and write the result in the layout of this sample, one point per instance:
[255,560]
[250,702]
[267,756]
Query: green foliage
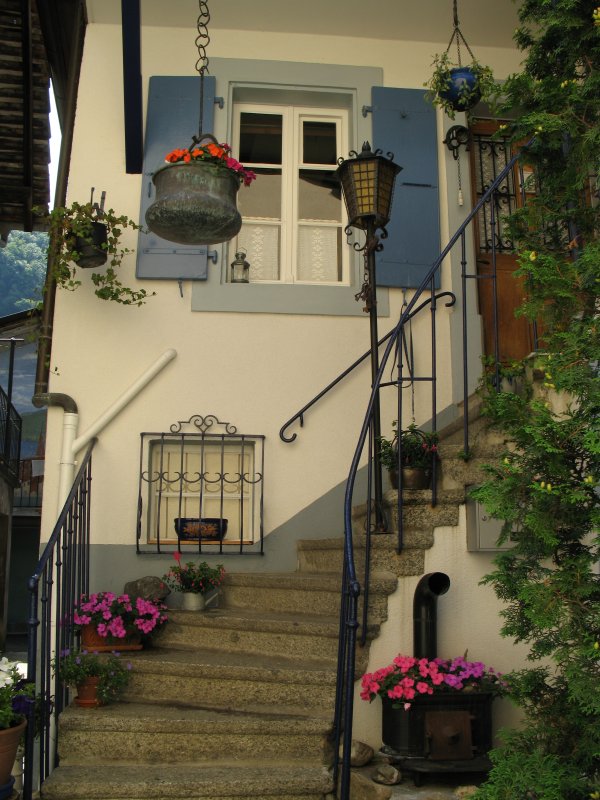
[68,228]
[22,271]
[546,485]
[75,666]
[441,78]
[417,447]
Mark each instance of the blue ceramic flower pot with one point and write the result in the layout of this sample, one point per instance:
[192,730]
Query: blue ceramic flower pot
[463,92]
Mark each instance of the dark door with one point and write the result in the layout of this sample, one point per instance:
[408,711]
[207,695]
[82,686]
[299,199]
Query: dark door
[494,249]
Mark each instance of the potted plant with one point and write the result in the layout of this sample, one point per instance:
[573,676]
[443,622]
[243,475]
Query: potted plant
[413,688]
[197,582]
[196,194]
[87,236]
[98,679]
[107,620]
[414,451]
[455,87]
[17,696]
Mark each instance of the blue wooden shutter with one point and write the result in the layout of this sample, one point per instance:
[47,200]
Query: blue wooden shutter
[171,121]
[404,123]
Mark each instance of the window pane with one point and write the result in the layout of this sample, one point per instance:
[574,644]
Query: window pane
[319,254]
[319,142]
[319,196]
[261,243]
[263,198]
[260,138]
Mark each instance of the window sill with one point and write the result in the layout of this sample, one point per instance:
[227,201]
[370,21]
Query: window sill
[285,299]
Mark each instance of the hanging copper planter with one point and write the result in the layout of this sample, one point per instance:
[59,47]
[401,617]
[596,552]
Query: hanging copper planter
[195,203]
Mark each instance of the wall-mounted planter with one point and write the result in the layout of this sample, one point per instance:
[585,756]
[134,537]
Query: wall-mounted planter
[195,203]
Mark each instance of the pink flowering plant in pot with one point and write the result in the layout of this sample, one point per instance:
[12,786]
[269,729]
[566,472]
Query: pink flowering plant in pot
[407,678]
[119,616]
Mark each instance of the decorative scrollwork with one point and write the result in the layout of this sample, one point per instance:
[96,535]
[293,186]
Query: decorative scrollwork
[203,424]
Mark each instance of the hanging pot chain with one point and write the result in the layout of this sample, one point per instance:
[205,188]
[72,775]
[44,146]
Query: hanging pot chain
[201,42]
[457,34]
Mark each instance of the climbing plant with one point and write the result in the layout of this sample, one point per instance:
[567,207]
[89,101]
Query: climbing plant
[546,485]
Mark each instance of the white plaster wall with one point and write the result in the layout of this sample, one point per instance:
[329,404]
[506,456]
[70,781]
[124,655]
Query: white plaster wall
[254,370]
[468,620]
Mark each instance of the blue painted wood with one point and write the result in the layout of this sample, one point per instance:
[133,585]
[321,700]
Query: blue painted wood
[404,123]
[171,121]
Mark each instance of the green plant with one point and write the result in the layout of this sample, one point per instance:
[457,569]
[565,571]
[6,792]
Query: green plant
[417,448]
[199,578]
[17,695]
[545,487]
[438,85]
[69,229]
[74,666]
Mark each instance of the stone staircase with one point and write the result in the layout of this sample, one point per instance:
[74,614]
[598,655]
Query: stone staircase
[236,703]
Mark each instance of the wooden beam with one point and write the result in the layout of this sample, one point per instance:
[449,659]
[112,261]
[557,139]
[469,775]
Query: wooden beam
[132,85]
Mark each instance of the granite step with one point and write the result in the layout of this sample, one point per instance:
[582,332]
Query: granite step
[145,734]
[234,681]
[302,593]
[272,780]
[253,631]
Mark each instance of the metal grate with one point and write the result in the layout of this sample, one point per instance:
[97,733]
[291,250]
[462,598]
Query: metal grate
[201,490]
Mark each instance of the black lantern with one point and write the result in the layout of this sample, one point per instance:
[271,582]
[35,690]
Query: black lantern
[368,187]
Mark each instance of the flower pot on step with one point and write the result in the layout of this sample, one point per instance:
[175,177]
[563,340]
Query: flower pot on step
[91,640]
[9,742]
[87,693]
[412,478]
[192,601]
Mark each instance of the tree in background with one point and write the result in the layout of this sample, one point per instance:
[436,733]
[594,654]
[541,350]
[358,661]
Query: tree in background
[546,486]
[22,271]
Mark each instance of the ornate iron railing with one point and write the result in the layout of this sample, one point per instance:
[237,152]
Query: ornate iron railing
[399,357]
[351,586]
[61,576]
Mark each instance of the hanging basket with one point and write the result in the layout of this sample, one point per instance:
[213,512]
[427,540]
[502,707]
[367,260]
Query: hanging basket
[195,203]
[463,92]
[92,248]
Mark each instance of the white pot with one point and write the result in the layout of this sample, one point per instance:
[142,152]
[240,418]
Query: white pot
[193,601]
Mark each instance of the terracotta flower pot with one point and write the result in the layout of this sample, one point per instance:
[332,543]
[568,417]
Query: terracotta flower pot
[91,640]
[9,742]
[87,693]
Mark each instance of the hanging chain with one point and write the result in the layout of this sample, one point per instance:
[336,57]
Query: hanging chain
[202,40]
[457,34]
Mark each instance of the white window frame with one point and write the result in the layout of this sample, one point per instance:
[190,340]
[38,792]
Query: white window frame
[293,117]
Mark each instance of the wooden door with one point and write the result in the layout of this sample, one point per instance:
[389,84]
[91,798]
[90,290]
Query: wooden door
[494,250]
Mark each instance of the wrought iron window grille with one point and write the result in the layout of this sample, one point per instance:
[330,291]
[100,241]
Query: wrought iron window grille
[200,489]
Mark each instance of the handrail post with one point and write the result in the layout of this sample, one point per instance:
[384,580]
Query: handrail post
[371,305]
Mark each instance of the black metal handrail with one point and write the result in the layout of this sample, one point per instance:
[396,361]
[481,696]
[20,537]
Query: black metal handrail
[61,576]
[351,587]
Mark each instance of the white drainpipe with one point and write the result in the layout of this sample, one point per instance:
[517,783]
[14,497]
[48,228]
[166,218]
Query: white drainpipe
[72,444]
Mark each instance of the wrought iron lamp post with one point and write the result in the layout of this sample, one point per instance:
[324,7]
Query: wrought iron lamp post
[367,180]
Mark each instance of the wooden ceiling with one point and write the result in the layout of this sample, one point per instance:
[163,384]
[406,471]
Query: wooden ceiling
[24,115]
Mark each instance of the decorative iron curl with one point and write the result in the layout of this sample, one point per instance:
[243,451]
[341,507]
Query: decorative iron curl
[203,424]
[202,39]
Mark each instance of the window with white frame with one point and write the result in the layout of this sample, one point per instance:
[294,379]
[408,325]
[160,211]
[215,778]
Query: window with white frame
[293,229]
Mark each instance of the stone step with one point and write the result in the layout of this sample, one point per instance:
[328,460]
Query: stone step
[301,593]
[231,681]
[275,780]
[323,555]
[127,732]
[253,631]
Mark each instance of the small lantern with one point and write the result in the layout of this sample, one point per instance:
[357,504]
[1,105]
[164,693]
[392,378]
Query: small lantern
[368,187]
[240,268]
